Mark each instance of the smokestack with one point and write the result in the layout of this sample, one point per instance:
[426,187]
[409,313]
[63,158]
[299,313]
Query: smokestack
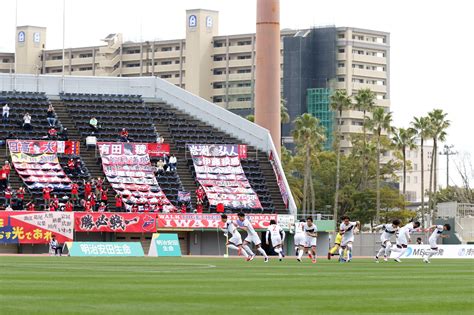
[267,82]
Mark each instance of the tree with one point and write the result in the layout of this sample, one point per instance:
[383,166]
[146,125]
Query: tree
[340,101]
[308,136]
[284,116]
[404,139]
[250,118]
[365,102]
[438,126]
[422,127]
[379,122]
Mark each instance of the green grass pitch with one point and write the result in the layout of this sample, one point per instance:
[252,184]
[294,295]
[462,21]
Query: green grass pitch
[73,285]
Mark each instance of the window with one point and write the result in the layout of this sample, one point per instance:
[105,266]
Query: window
[177,62]
[218,85]
[132,51]
[219,71]
[415,167]
[85,55]
[415,180]
[341,35]
[244,43]
[218,44]
[244,71]
[340,65]
[341,50]
[178,48]
[340,79]
[244,57]
[166,49]
[132,65]
[244,99]
[57,58]
[85,69]
[166,62]
[5,60]
[219,58]
[165,76]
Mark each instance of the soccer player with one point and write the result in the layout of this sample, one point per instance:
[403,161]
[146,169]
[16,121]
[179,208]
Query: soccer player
[347,231]
[252,236]
[403,238]
[235,241]
[299,237]
[388,230]
[336,247]
[277,236]
[311,234]
[437,233]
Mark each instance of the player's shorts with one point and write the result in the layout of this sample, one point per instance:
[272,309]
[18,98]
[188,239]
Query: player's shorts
[402,240]
[299,239]
[310,241]
[433,243]
[276,241]
[384,238]
[253,239]
[346,240]
[236,239]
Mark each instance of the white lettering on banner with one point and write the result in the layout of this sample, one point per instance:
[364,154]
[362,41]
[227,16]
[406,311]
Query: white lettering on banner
[444,251]
[126,249]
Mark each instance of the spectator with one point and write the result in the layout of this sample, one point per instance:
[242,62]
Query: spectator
[3,179]
[102,207]
[7,169]
[47,195]
[8,196]
[5,113]
[30,206]
[69,206]
[146,207]
[52,207]
[173,162]
[71,166]
[159,139]
[160,204]
[124,135]
[20,196]
[52,134]
[74,192]
[103,195]
[87,189]
[134,208]
[118,203]
[93,200]
[55,202]
[220,207]
[88,206]
[27,122]
[94,124]
[51,116]
[78,167]
[99,183]
[183,207]
[160,166]
[199,199]
[64,135]
[166,159]
[55,246]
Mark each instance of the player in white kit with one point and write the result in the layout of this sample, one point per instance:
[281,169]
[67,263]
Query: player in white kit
[437,233]
[235,241]
[347,228]
[299,239]
[277,236]
[388,230]
[403,238]
[252,236]
[311,233]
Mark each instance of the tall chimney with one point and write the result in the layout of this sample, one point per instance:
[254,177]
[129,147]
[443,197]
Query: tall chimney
[267,89]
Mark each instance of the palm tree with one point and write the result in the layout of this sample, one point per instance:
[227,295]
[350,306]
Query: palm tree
[284,116]
[404,139]
[308,136]
[379,122]
[340,101]
[365,102]
[422,127]
[438,126]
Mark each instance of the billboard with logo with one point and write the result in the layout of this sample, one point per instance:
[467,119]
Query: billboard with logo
[445,251]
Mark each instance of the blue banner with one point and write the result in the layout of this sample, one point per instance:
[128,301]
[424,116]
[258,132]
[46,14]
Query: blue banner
[165,245]
[106,249]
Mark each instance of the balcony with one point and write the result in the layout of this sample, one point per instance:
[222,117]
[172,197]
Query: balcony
[240,76]
[369,59]
[219,64]
[370,73]
[240,90]
[81,61]
[173,54]
[238,105]
[167,68]
[372,87]
[240,63]
[240,49]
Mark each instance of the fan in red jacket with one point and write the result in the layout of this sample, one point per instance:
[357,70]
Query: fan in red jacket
[8,196]
[68,207]
[47,195]
[20,196]
[74,192]
[118,202]
[87,189]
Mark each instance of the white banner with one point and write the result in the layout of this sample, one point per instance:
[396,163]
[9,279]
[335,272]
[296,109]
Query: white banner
[445,251]
[56,222]
[286,221]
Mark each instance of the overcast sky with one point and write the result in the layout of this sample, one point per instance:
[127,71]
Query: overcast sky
[431,41]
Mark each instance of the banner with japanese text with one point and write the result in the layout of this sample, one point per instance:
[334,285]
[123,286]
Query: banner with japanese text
[158,149]
[219,171]
[209,221]
[41,146]
[106,249]
[35,227]
[279,178]
[129,171]
[114,222]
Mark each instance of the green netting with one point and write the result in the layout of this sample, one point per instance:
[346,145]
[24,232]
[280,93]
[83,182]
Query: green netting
[318,103]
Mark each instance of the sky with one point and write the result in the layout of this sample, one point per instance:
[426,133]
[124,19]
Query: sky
[431,42]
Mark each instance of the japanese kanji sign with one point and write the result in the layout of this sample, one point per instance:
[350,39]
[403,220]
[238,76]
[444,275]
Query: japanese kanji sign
[107,249]
[114,222]
[164,245]
[35,227]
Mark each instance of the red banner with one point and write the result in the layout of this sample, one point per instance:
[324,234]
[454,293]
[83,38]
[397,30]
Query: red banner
[158,149]
[209,221]
[39,146]
[35,227]
[115,222]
